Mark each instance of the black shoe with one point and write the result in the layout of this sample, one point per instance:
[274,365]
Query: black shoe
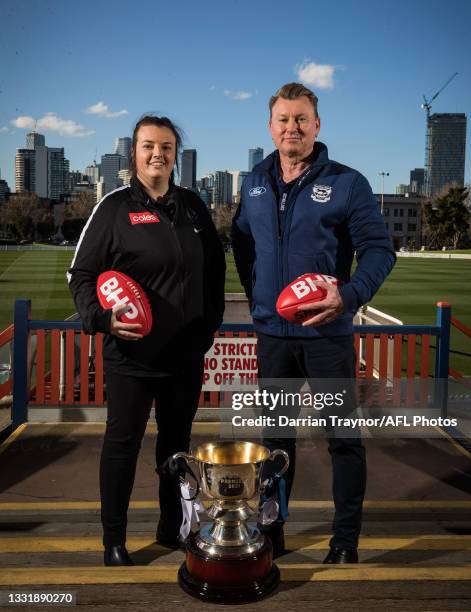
[117,555]
[277,539]
[342,555]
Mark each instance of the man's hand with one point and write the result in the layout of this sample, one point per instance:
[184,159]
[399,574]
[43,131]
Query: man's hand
[327,309]
[123,330]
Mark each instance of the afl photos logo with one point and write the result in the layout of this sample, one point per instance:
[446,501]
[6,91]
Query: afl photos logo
[143,217]
[321,193]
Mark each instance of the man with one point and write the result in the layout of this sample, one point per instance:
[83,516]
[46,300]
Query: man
[301,212]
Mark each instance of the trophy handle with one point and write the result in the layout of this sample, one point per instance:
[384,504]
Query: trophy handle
[182,455]
[284,454]
[187,470]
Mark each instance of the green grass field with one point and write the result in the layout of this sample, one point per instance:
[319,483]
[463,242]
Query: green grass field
[410,293]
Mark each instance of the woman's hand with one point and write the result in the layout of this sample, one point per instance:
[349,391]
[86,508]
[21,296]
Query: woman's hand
[124,331]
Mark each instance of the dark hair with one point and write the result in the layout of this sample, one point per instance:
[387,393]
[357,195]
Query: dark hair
[292,91]
[158,122]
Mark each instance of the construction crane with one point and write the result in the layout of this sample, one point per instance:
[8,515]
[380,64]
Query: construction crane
[427,105]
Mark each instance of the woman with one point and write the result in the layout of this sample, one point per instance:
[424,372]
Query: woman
[175,255]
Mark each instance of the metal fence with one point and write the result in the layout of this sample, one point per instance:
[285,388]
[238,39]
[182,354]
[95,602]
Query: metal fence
[66,369]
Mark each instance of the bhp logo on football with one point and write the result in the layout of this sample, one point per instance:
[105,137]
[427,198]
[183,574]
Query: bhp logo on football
[307,285]
[136,218]
[111,290]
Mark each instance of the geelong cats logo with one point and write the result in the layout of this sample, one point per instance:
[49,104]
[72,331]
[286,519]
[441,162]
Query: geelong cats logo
[321,193]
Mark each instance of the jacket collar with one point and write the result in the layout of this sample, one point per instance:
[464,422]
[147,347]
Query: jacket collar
[139,194]
[270,163]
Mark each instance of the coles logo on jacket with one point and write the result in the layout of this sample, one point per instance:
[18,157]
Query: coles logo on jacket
[143,217]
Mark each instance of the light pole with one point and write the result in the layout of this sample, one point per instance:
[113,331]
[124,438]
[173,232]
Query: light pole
[382,175]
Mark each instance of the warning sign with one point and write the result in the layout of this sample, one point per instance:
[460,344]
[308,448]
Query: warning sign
[230,360]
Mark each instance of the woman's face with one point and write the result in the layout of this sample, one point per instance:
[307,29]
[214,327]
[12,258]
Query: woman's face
[155,153]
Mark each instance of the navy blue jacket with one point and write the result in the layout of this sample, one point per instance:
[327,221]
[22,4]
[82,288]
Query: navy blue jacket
[330,214]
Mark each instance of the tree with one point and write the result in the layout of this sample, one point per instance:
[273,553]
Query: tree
[81,208]
[447,221]
[223,215]
[27,216]
[76,214]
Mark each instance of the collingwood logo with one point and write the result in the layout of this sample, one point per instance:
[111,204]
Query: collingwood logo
[256,191]
[321,193]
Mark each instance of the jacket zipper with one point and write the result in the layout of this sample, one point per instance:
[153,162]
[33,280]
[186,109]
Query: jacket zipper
[287,209]
[182,268]
[181,282]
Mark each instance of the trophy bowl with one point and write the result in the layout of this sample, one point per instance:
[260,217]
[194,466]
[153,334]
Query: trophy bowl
[229,560]
[231,470]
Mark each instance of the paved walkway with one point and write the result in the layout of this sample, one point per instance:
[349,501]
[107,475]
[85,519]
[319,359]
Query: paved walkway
[415,551]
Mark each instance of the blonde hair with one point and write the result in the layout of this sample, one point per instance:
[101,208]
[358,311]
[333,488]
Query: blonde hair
[292,91]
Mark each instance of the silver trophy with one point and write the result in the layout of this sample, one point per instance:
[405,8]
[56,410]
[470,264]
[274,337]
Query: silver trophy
[229,559]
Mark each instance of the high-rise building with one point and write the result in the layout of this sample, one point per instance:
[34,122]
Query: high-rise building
[111,164]
[401,189]
[255,157]
[40,169]
[33,140]
[206,182]
[237,180]
[93,173]
[125,176]
[52,170]
[75,178]
[206,194]
[100,189]
[4,191]
[446,151]
[222,192]
[123,148]
[188,179]
[417,181]
[25,170]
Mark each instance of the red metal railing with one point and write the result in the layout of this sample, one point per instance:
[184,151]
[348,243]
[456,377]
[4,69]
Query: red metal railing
[393,368]
[394,365]
[6,337]
[73,375]
[467,332]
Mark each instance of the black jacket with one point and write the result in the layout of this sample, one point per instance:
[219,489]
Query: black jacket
[179,263]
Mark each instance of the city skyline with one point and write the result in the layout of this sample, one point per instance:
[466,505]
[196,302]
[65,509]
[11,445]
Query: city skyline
[369,102]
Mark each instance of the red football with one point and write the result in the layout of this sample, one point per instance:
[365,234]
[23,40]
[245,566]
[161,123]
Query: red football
[117,289]
[301,291]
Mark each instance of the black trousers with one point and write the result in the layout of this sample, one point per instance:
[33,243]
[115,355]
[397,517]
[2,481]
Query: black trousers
[321,359]
[129,402]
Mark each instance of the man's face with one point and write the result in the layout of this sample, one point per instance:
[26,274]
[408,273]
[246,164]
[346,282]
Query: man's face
[294,127]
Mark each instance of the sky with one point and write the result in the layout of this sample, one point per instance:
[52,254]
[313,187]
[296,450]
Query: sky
[86,71]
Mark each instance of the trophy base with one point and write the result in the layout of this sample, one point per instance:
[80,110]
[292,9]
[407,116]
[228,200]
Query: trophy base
[228,579]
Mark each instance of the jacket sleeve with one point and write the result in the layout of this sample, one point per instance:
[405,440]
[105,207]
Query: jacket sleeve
[243,246]
[371,241]
[92,256]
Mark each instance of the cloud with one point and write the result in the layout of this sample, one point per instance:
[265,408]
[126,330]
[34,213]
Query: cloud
[237,95]
[50,122]
[101,109]
[4,129]
[318,75]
